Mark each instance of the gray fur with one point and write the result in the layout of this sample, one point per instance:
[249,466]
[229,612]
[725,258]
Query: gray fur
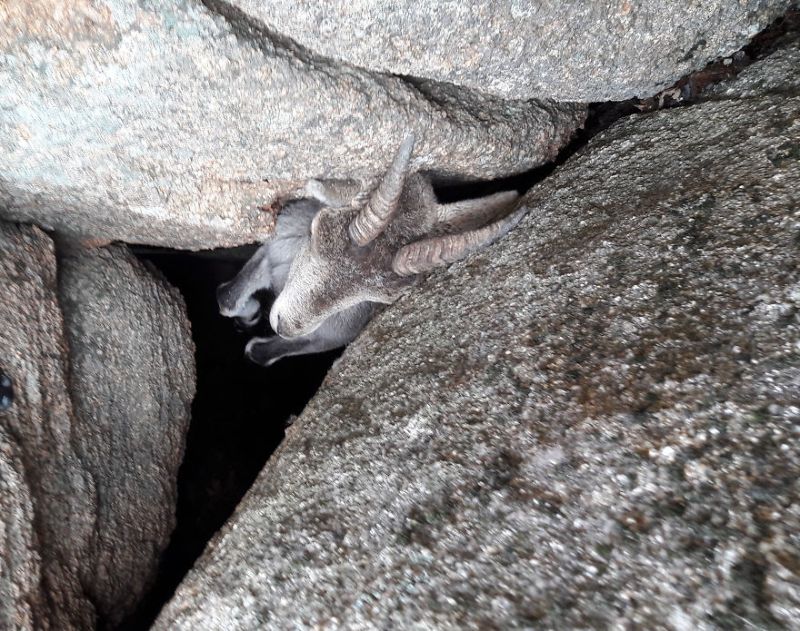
[337,268]
[268,269]
[343,249]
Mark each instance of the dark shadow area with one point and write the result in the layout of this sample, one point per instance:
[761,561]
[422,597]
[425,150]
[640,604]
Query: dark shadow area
[239,414]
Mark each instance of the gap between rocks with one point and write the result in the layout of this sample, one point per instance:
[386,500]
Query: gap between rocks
[239,414]
[241,410]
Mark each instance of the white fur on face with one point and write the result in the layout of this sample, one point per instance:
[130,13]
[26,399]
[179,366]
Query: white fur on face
[291,312]
[302,306]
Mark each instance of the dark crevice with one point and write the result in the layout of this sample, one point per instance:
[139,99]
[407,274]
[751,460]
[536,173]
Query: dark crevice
[772,38]
[238,416]
[249,30]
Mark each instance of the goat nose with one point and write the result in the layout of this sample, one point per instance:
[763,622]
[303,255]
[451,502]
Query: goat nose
[279,325]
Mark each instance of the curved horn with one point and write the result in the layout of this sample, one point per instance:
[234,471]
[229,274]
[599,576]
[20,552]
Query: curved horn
[382,204]
[423,256]
[471,213]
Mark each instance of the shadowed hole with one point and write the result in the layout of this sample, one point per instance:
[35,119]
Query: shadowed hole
[238,415]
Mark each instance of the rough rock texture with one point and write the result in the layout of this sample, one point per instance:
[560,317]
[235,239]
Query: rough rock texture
[83,478]
[593,424]
[176,123]
[132,383]
[48,492]
[571,51]
[779,76]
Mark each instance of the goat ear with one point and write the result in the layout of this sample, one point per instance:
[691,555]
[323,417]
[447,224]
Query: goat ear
[315,225]
[332,193]
[383,203]
[423,256]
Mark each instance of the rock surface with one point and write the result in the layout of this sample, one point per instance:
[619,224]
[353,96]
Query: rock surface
[178,123]
[594,423]
[76,538]
[570,51]
[47,495]
[779,76]
[132,384]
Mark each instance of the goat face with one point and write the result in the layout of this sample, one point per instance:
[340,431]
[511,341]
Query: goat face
[332,273]
[373,249]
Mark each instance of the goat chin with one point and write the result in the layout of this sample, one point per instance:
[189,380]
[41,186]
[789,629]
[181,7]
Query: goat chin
[335,332]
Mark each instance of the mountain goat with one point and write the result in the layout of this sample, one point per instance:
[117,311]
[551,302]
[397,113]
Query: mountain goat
[339,253]
[268,269]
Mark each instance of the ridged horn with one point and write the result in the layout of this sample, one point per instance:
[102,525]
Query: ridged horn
[470,213]
[382,204]
[423,256]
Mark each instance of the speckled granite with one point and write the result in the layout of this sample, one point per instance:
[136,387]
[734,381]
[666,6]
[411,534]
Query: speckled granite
[594,423]
[179,123]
